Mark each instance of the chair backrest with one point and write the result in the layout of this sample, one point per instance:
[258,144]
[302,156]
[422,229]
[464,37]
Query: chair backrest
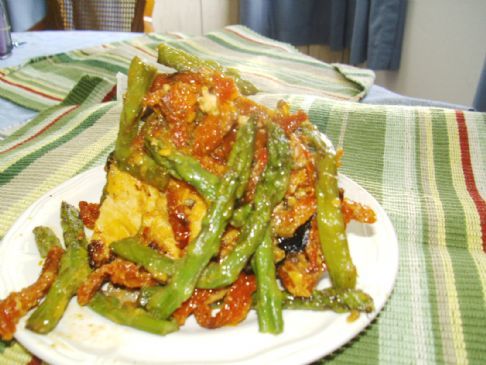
[108,15]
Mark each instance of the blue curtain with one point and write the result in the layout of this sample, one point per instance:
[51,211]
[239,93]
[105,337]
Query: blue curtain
[372,29]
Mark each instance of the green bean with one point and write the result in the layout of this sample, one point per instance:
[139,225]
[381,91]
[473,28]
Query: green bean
[337,300]
[160,266]
[128,315]
[182,61]
[268,295]
[269,190]
[73,270]
[45,239]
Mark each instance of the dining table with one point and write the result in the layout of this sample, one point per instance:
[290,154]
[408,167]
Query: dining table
[422,161]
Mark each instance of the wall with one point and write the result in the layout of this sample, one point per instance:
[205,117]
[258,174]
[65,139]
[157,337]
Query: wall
[443,51]
[194,17]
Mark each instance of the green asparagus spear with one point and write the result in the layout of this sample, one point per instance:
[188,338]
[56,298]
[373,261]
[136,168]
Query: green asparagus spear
[242,153]
[140,78]
[184,167]
[155,263]
[45,239]
[337,300]
[268,193]
[206,244]
[136,162]
[330,222]
[72,226]
[199,251]
[129,315]
[269,299]
[331,226]
[182,61]
[73,270]
[240,215]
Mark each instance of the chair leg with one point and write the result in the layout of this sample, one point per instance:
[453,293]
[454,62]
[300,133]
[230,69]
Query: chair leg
[138,16]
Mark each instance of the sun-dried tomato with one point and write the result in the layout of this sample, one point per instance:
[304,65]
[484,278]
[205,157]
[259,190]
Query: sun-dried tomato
[235,307]
[357,211]
[19,303]
[177,214]
[89,213]
[119,272]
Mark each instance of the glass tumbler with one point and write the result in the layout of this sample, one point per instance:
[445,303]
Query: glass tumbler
[5,38]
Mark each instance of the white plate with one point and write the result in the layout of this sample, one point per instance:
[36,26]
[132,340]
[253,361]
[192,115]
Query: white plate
[83,337]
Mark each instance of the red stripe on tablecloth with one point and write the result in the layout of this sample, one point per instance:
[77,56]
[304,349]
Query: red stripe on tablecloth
[111,95]
[30,90]
[144,51]
[46,127]
[469,175]
[244,36]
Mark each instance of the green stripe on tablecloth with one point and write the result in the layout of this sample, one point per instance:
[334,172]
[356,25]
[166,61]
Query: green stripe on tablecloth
[409,302]
[29,129]
[87,91]
[471,302]
[97,64]
[54,85]
[81,146]
[454,220]
[433,316]
[26,99]
[364,146]
[13,170]
[99,159]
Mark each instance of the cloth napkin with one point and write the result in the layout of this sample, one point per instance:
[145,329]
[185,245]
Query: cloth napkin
[425,166]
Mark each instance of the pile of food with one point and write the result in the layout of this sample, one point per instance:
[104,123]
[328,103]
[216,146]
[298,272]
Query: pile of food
[213,206]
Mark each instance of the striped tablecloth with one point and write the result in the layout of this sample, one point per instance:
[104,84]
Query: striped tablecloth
[426,166]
